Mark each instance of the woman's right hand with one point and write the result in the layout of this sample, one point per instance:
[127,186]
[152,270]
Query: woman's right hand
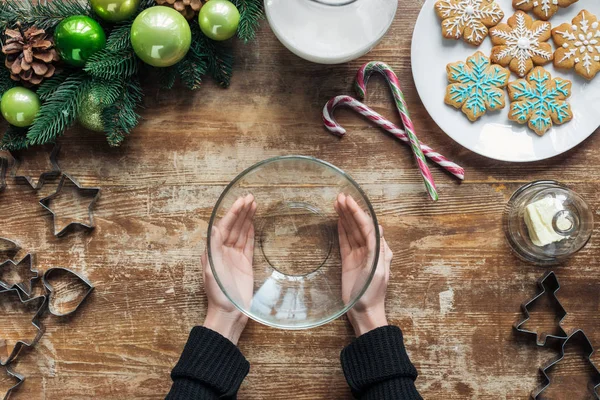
[357,247]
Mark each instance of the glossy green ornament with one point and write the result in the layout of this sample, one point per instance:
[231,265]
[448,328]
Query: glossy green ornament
[90,113]
[161,36]
[77,38]
[219,19]
[20,106]
[115,10]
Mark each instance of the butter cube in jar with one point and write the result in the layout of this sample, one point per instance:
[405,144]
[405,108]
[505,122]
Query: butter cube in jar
[545,222]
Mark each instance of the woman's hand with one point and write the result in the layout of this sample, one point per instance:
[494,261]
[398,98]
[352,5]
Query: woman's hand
[232,241]
[357,247]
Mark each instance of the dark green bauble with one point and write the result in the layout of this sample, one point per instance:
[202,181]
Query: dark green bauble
[90,112]
[77,38]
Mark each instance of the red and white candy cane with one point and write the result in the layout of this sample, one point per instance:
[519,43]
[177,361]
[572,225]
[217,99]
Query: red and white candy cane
[364,73]
[367,112]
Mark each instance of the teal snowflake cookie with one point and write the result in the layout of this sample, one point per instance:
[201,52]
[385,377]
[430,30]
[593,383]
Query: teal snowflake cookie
[476,86]
[540,101]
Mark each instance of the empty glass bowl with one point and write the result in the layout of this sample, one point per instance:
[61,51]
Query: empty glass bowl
[290,275]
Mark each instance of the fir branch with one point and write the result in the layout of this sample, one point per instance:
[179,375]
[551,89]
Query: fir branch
[107,91]
[110,65]
[167,76]
[216,56]
[191,72]
[43,14]
[49,86]
[60,110]
[251,13]
[14,139]
[120,37]
[120,118]
[5,81]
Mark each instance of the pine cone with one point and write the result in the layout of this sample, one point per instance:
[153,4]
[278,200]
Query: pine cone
[188,8]
[30,55]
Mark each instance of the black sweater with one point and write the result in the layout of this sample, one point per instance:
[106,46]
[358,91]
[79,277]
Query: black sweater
[375,365]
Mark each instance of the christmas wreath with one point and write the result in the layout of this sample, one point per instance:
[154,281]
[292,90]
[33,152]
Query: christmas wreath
[68,61]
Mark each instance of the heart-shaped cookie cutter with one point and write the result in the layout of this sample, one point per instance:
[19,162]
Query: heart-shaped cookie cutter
[50,289]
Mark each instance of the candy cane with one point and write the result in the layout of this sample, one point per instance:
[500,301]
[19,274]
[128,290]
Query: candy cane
[364,73]
[367,112]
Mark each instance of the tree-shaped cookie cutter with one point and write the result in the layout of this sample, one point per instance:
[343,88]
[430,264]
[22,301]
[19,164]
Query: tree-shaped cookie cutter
[23,286]
[45,202]
[20,378]
[580,337]
[46,175]
[35,322]
[50,290]
[547,284]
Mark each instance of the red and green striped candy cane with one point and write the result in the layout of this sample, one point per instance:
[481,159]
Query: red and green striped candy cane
[362,78]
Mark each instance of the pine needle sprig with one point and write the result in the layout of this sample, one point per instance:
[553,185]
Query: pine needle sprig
[106,91]
[49,86]
[251,13]
[218,58]
[43,14]
[60,110]
[107,64]
[5,81]
[120,118]
[168,76]
[14,139]
[120,37]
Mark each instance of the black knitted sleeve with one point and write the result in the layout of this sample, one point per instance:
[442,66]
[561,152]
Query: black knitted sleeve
[377,367]
[210,367]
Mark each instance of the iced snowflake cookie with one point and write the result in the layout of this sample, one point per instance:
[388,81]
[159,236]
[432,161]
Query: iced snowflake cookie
[469,19]
[543,9]
[540,101]
[521,44]
[578,45]
[476,86]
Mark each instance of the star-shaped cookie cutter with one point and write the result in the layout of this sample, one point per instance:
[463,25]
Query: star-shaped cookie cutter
[23,286]
[45,202]
[35,322]
[45,175]
[547,284]
[50,290]
[20,378]
[580,337]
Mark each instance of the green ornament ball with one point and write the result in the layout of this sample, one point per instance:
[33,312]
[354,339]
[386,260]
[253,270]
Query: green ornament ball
[90,113]
[77,38]
[219,19]
[20,106]
[115,10]
[161,36]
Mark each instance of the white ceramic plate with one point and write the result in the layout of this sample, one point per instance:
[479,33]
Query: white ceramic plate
[493,135]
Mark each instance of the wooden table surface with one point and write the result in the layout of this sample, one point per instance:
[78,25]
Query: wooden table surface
[455,288]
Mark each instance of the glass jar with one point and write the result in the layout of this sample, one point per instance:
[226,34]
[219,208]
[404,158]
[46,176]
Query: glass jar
[569,226]
[330,31]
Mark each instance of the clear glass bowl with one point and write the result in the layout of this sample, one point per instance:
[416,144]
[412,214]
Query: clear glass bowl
[573,221]
[297,271]
[330,31]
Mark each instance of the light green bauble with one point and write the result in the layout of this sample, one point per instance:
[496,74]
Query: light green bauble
[219,19]
[115,10]
[20,106]
[77,38]
[90,113]
[161,36]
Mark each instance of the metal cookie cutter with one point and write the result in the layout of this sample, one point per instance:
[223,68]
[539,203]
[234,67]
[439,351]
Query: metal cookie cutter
[580,337]
[50,290]
[35,322]
[19,378]
[42,179]
[548,284]
[8,249]
[45,202]
[24,286]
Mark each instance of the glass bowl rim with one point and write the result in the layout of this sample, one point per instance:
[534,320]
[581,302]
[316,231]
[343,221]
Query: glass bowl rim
[334,169]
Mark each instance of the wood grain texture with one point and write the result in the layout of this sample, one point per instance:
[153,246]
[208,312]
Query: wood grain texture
[455,288]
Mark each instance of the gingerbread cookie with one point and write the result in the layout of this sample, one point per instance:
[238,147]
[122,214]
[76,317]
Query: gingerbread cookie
[521,44]
[469,19]
[578,45]
[543,9]
[540,101]
[476,86]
